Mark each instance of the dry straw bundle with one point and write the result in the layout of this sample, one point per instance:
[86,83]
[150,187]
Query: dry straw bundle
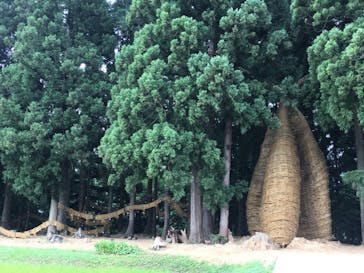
[256,185]
[289,193]
[280,206]
[315,219]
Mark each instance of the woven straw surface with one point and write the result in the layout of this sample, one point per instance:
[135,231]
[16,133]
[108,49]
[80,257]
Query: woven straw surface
[281,192]
[315,218]
[254,198]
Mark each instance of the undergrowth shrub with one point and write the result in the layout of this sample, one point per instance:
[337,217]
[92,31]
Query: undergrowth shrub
[218,239]
[111,247]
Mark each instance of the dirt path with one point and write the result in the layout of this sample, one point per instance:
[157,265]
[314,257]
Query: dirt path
[333,262]
[301,256]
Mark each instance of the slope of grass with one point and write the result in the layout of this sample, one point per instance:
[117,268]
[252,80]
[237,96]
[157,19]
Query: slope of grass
[59,261]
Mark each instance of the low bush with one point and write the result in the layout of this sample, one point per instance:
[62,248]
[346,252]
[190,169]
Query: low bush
[111,247]
[218,239]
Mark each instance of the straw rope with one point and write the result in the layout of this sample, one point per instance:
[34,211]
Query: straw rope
[92,219]
[34,231]
[254,198]
[315,219]
[281,192]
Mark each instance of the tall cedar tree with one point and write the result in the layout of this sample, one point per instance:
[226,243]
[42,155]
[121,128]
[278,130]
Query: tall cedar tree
[336,63]
[334,28]
[192,67]
[146,141]
[58,84]
[13,13]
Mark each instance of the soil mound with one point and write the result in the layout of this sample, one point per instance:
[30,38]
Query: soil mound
[259,241]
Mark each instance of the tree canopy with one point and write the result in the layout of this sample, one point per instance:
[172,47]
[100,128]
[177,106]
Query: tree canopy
[109,103]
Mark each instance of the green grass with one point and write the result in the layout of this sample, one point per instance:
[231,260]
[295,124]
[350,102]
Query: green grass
[17,268]
[111,247]
[31,260]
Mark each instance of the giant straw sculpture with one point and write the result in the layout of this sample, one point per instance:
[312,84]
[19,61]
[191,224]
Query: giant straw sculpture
[289,194]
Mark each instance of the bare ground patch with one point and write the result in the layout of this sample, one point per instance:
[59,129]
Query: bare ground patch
[231,253]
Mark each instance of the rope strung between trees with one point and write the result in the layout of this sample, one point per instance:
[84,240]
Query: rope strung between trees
[102,219]
[58,225]
[107,216]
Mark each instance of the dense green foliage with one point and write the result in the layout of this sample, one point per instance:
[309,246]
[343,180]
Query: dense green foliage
[354,179]
[103,99]
[336,62]
[335,67]
[54,94]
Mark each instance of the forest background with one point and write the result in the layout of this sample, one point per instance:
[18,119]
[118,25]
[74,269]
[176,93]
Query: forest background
[104,104]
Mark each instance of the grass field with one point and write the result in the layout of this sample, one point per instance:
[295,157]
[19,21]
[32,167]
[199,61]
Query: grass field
[32,260]
[26,268]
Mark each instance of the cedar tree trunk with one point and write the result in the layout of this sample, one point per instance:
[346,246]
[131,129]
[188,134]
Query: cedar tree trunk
[109,209]
[166,217]
[82,194]
[52,214]
[64,193]
[359,143]
[5,216]
[196,210]
[207,223]
[130,229]
[150,226]
[110,199]
[224,211]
